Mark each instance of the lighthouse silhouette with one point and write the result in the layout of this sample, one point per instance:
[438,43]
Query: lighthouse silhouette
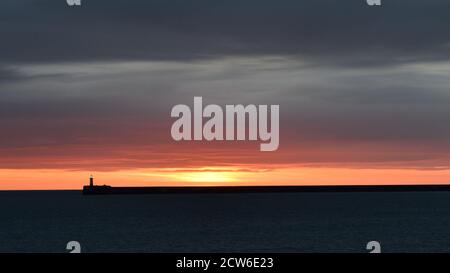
[91,180]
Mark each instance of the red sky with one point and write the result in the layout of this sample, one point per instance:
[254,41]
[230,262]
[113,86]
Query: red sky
[212,163]
[361,100]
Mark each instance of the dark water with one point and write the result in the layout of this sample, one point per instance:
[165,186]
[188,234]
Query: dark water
[286,222]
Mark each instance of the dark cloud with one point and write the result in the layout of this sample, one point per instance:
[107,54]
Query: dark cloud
[335,32]
[9,75]
[356,84]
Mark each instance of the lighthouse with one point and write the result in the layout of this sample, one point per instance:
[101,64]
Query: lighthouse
[91,180]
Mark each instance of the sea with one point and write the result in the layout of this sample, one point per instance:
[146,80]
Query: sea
[45,221]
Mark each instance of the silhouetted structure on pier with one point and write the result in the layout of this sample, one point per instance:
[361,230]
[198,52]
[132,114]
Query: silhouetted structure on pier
[105,189]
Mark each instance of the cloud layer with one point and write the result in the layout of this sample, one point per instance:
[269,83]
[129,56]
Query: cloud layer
[93,86]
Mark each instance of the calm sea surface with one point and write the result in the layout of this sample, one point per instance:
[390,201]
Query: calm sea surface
[284,222]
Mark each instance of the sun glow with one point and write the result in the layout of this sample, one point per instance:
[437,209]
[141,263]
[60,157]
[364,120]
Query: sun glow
[206,177]
[188,176]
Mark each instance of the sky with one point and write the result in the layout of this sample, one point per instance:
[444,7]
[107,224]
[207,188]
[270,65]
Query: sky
[364,92]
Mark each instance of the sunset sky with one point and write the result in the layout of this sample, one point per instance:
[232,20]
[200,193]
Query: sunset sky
[364,92]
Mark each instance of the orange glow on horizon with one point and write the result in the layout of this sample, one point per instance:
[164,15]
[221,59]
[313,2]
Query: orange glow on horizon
[30,179]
